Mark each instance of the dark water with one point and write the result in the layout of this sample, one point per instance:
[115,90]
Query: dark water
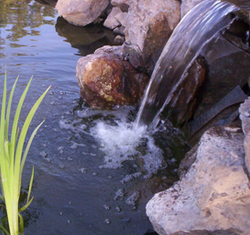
[83,183]
[194,31]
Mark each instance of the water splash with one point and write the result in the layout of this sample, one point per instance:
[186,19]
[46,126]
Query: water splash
[123,142]
[194,31]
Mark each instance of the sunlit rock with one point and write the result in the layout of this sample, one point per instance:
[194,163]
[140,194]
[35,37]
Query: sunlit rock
[214,195]
[245,118]
[106,80]
[81,12]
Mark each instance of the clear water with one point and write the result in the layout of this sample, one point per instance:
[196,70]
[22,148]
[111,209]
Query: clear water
[195,30]
[93,173]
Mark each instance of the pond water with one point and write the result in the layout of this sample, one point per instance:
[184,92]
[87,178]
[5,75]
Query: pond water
[93,173]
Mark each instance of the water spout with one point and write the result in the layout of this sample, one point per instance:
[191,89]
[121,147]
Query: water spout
[194,31]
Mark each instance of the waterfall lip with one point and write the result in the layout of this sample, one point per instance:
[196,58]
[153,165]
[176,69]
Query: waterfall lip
[197,28]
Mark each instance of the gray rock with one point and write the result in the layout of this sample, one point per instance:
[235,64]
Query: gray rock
[149,25]
[188,5]
[119,39]
[213,196]
[245,118]
[111,22]
[120,2]
[81,12]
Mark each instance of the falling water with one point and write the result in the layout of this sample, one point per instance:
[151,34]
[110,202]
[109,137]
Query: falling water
[194,31]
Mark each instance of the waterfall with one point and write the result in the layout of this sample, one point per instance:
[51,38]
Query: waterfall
[193,32]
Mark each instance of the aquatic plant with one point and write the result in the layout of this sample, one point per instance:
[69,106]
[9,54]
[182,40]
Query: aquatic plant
[13,156]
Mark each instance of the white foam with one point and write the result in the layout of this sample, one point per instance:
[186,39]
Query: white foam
[120,143]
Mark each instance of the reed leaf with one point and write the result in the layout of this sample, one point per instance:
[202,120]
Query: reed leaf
[13,156]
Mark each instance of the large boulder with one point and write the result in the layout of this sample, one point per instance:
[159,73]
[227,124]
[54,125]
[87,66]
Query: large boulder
[81,12]
[213,197]
[228,67]
[149,26]
[106,80]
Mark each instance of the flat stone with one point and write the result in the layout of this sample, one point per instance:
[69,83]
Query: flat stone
[213,196]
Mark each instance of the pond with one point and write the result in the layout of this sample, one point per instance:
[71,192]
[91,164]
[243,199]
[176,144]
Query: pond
[86,182]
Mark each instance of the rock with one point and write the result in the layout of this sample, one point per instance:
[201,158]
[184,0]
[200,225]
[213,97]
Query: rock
[245,119]
[120,3]
[228,67]
[213,197]
[122,18]
[119,39]
[81,12]
[106,80]
[149,25]
[47,2]
[111,22]
[120,30]
[184,98]
[188,5]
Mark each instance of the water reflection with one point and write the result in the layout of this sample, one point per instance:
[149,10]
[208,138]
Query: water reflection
[86,39]
[21,21]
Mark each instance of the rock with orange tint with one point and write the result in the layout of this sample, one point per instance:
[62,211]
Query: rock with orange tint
[106,80]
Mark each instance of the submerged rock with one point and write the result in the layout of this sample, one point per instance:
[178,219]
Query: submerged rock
[213,197]
[81,12]
[106,80]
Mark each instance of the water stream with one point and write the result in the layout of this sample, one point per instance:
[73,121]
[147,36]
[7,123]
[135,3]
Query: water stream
[195,30]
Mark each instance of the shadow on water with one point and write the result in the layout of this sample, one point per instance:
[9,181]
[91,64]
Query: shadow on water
[86,39]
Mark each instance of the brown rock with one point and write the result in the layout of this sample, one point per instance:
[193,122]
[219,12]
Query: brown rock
[106,81]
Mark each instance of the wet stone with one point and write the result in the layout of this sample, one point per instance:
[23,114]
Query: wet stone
[43,154]
[119,194]
[107,221]
[83,170]
[106,207]
[118,209]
